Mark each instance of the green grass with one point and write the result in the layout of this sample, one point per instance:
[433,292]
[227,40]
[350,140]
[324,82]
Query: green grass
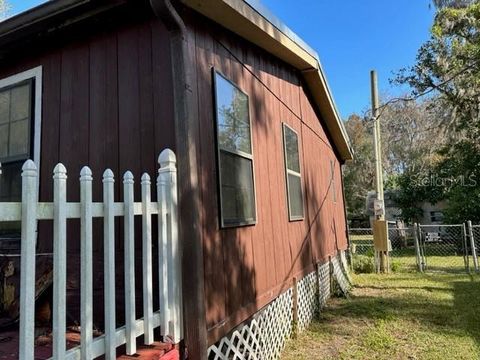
[405,260]
[397,316]
[361,237]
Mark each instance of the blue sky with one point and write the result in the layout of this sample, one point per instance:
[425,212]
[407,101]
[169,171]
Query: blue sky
[22,5]
[352,37]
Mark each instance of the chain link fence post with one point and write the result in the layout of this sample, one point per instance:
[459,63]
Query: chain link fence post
[472,245]
[466,257]
[416,231]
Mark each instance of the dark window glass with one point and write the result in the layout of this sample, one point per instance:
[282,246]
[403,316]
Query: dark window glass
[295,195]
[4,107]
[237,192]
[237,188]
[4,140]
[294,177]
[436,216]
[15,123]
[15,120]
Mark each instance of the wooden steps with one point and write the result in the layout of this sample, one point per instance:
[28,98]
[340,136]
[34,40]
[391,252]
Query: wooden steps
[157,351]
[43,348]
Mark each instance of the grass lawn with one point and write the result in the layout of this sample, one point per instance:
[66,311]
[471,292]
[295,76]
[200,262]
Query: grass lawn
[397,316]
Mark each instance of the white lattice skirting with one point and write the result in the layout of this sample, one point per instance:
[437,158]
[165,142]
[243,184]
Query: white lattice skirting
[263,337]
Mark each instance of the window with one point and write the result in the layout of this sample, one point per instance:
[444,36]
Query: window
[235,155]
[15,120]
[20,110]
[436,216]
[293,175]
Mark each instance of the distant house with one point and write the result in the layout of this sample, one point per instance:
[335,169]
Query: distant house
[432,214]
[241,100]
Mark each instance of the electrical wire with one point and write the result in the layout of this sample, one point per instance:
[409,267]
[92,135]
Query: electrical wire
[426,92]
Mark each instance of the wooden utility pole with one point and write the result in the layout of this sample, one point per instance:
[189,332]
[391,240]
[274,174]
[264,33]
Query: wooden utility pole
[380,226]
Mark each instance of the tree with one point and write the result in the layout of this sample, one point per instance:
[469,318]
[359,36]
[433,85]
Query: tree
[412,133]
[452,3]
[5,9]
[460,172]
[359,174]
[411,137]
[448,67]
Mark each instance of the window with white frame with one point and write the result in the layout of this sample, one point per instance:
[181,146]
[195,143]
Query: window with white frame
[235,154]
[19,118]
[293,174]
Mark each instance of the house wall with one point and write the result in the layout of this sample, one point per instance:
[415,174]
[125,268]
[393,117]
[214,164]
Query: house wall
[427,209]
[107,103]
[247,267]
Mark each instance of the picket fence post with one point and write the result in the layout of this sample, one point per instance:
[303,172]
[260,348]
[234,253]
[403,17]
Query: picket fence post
[109,264]
[129,259]
[59,261]
[147,259]
[86,254]
[171,259]
[27,261]
[162,253]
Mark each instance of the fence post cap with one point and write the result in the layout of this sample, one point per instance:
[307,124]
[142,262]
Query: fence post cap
[167,157]
[108,176]
[60,171]
[127,177]
[29,168]
[85,173]
[145,178]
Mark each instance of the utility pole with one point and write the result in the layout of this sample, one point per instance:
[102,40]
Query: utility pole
[380,226]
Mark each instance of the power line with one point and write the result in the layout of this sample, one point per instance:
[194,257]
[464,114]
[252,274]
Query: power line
[434,87]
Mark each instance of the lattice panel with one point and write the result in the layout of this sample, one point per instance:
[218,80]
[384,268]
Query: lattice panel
[339,275]
[276,325]
[345,266]
[243,344]
[324,283]
[307,300]
[263,338]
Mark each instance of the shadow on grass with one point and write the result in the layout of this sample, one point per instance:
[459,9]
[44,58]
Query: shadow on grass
[451,308]
[467,305]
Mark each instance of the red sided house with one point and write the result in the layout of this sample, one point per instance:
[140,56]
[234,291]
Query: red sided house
[245,107]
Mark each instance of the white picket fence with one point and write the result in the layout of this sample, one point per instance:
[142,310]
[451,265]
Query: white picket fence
[169,315]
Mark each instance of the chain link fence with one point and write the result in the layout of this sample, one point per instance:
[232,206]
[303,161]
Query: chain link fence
[444,248]
[429,248]
[476,236]
[402,240]
[361,240]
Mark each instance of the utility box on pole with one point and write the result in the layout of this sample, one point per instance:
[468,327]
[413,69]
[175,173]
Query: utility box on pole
[380,235]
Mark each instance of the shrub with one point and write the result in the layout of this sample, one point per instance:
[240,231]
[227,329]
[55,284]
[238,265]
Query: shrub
[363,264]
[395,266]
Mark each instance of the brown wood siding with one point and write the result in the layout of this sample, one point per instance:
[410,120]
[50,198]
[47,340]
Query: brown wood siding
[106,103]
[247,267]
